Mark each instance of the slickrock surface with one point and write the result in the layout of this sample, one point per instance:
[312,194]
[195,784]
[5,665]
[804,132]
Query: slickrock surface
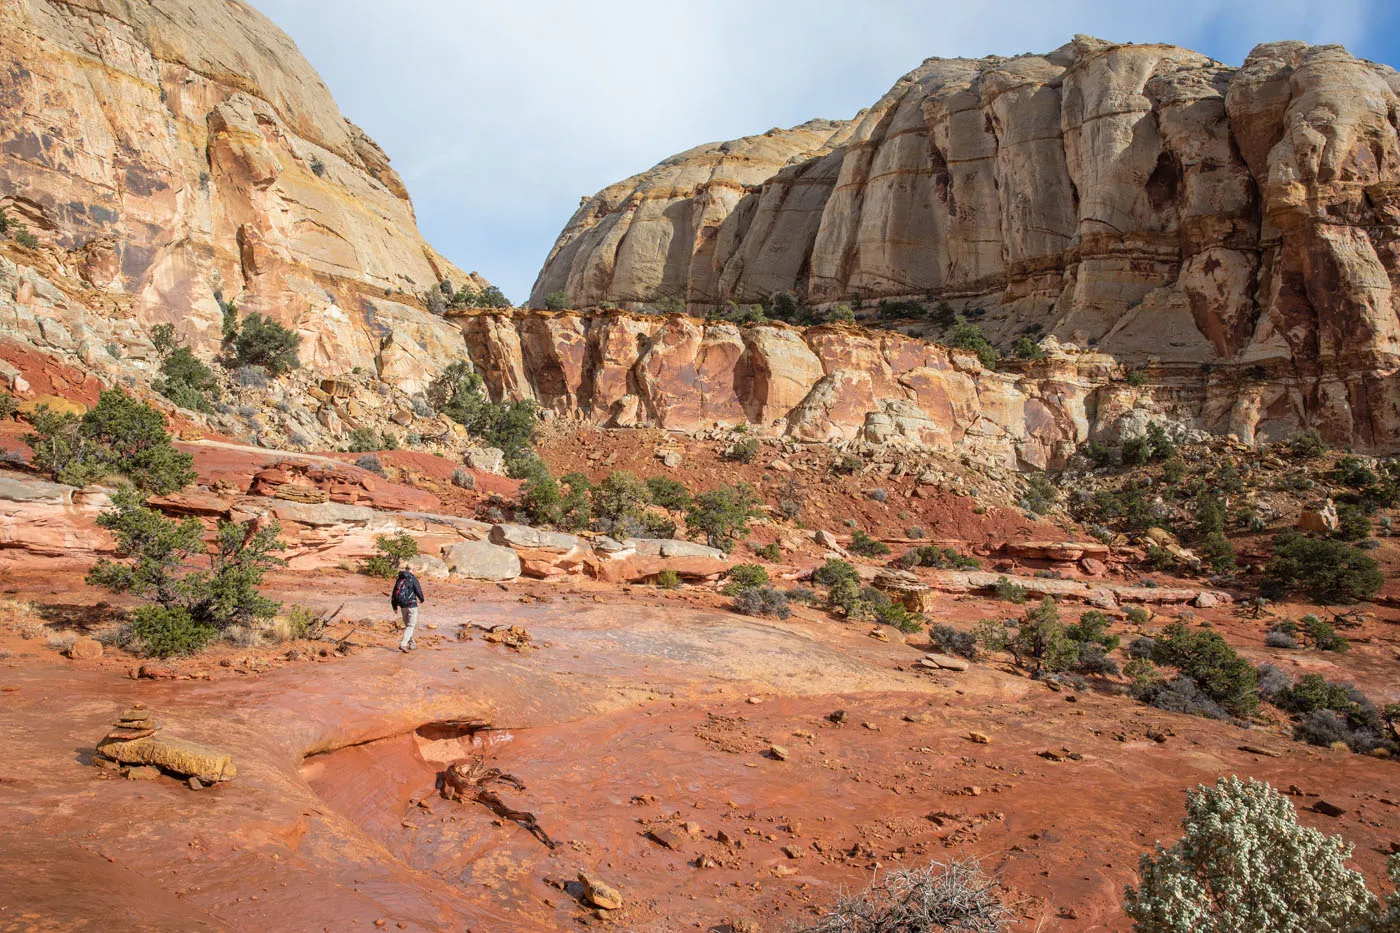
[1143,199]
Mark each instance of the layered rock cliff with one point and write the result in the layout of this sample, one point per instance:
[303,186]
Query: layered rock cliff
[171,153]
[1144,200]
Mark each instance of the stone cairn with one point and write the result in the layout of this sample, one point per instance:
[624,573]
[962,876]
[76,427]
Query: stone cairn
[135,745]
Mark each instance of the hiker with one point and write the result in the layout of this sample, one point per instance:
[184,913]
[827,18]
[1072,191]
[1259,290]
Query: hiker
[407,597]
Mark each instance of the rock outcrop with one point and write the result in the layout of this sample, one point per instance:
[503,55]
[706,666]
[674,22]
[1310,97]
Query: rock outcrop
[171,155]
[1234,228]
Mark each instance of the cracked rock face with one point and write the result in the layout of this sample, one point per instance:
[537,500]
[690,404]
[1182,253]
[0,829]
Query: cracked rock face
[1143,199]
[172,152]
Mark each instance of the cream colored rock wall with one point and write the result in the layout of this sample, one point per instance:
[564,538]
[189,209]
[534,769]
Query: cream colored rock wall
[169,153]
[1222,226]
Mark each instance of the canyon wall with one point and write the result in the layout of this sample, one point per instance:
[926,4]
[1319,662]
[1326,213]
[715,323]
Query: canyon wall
[172,153]
[1143,200]
[835,383]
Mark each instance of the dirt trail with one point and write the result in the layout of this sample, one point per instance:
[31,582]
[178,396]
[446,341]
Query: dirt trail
[631,718]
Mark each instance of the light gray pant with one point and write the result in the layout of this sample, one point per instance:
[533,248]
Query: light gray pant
[410,622]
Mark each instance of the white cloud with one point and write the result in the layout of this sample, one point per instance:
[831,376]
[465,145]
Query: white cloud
[500,116]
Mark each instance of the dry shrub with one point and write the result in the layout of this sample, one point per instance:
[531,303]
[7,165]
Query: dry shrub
[955,898]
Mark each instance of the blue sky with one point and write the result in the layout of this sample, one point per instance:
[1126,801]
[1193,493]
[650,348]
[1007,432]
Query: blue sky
[501,115]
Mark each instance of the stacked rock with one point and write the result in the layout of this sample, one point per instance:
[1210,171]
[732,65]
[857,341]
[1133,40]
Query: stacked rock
[134,741]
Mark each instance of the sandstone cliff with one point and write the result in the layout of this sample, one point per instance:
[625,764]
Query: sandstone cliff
[1161,207]
[170,152]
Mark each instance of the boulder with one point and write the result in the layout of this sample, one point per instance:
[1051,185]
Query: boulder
[482,560]
[485,459]
[1319,518]
[945,662]
[673,548]
[524,536]
[84,649]
[428,567]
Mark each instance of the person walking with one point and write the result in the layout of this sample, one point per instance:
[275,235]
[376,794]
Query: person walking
[406,597]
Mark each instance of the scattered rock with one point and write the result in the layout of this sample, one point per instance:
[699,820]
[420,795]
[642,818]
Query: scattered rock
[1093,567]
[979,738]
[945,662]
[599,893]
[839,717]
[84,649]
[1328,809]
[1206,600]
[777,753]
[142,773]
[1258,750]
[512,636]
[666,838]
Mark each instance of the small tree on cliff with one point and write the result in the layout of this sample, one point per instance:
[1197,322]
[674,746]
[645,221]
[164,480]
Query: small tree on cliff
[117,436]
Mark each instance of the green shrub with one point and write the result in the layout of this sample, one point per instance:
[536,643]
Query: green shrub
[1218,553]
[668,580]
[656,525]
[1307,444]
[668,493]
[1041,495]
[1136,378]
[1322,635]
[166,633]
[620,497]
[1245,865]
[762,601]
[1207,658]
[26,239]
[847,465]
[556,300]
[723,514]
[770,552]
[1092,628]
[1137,615]
[261,341]
[840,314]
[8,405]
[1041,643]
[744,577]
[970,337]
[1352,523]
[394,552]
[865,546]
[991,635]
[745,450]
[186,381]
[156,565]
[1010,592]
[835,571]
[1328,571]
[1027,349]
[119,435]
[459,393]
[939,558]
[362,440]
[949,640]
[163,339]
